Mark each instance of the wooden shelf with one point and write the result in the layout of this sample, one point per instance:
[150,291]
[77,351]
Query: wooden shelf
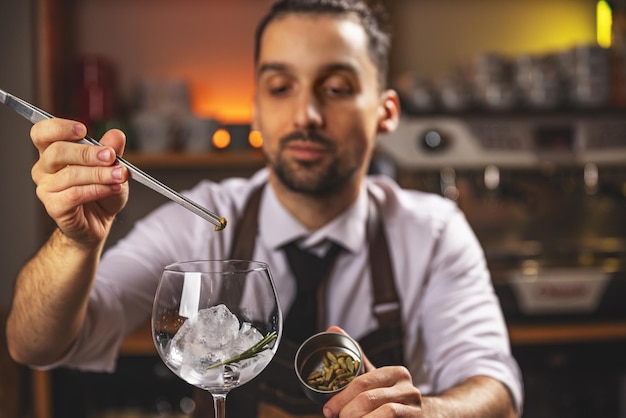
[140,341]
[567,333]
[221,159]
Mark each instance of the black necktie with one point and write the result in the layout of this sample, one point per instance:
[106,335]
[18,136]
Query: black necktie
[309,271]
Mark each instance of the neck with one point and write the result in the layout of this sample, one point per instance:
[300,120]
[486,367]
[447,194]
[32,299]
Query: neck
[315,211]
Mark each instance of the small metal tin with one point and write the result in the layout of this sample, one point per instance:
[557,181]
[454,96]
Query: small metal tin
[309,358]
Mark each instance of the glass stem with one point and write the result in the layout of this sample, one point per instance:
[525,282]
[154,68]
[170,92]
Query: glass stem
[219,405]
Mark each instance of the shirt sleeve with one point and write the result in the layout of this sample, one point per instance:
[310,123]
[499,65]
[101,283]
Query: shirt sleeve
[129,273]
[97,345]
[464,330]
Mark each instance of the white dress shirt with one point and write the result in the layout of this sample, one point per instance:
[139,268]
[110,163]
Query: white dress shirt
[454,328]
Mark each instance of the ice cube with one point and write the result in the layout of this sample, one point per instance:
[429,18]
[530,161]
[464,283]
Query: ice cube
[246,338]
[211,336]
[215,326]
[205,337]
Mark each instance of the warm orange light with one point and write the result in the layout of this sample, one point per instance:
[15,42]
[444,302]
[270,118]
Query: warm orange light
[221,139]
[255,139]
[229,105]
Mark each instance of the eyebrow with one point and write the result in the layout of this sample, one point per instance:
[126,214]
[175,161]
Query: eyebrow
[341,67]
[330,68]
[270,66]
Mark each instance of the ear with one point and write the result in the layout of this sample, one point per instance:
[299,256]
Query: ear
[388,111]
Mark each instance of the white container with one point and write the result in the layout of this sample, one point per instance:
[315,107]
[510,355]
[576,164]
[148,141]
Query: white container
[556,291]
[153,132]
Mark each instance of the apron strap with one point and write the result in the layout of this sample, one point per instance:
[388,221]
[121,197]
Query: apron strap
[385,345]
[386,306]
[247,229]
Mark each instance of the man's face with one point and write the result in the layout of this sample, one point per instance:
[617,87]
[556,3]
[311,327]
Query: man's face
[318,102]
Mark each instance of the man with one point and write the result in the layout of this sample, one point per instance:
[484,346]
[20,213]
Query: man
[408,272]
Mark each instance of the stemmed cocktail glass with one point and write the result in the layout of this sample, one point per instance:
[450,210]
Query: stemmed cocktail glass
[216,324]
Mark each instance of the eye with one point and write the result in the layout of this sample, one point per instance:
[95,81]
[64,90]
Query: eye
[279,90]
[278,86]
[337,86]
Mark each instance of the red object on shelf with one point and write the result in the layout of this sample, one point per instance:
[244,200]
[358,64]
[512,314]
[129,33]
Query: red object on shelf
[94,98]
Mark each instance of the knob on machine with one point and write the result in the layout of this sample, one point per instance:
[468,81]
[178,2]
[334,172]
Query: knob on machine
[432,140]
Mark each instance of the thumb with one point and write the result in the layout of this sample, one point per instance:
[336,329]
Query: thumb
[367,364]
[115,139]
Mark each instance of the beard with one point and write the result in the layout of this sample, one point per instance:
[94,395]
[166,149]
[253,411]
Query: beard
[314,178]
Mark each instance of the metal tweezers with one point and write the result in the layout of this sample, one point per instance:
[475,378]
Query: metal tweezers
[34,114]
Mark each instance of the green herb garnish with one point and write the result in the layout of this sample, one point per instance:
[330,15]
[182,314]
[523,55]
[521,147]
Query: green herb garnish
[250,352]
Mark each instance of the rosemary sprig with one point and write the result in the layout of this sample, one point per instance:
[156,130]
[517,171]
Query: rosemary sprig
[250,352]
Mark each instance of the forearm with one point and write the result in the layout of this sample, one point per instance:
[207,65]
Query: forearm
[50,300]
[477,397]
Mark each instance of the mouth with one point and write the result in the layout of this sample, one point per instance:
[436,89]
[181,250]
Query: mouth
[308,146]
[306,150]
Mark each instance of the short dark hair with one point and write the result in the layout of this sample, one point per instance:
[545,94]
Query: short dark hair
[370,18]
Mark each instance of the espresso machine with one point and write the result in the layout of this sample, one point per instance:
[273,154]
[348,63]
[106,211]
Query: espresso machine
[545,194]
[546,197]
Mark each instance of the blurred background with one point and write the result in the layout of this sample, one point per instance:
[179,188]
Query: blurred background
[513,109]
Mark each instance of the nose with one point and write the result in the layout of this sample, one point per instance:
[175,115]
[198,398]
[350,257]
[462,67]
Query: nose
[308,113]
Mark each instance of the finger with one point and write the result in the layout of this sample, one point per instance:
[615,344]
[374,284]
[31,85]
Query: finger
[75,175]
[59,155]
[76,185]
[49,131]
[335,328]
[390,409]
[379,402]
[115,139]
[67,201]
[367,404]
[366,391]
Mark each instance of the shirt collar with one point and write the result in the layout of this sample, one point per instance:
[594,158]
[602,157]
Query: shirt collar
[277,227]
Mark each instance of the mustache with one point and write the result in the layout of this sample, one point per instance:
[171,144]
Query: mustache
[309,135]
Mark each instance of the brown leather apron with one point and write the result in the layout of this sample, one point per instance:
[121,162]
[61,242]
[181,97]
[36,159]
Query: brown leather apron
[276,391]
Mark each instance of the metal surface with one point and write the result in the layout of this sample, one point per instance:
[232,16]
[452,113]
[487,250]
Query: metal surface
[34,114]
[526,142]
[309,357]
[545,195]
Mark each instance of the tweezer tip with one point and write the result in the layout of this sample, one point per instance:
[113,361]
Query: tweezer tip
[222,224]
[3,96]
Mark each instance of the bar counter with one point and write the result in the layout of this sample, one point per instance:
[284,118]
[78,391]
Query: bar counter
[139,343]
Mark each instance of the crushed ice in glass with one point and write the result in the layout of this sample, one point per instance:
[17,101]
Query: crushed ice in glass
[211,336]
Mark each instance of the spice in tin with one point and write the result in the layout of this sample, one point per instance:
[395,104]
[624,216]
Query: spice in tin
[337,370]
